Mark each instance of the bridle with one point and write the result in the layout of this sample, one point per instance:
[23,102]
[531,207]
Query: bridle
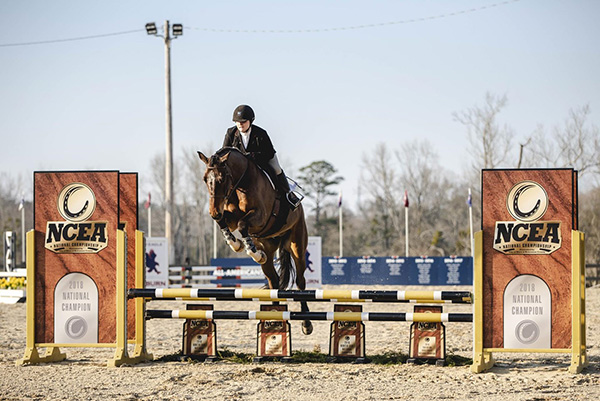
[229,175]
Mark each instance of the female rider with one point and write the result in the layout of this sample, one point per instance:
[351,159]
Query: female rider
[254,141]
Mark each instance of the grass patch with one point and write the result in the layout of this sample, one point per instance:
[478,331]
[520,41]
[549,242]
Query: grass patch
[170,358]
[309,357]
[457,360]
[236,357]
[388,358]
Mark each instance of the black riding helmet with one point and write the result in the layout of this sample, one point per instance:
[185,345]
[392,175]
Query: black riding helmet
[243,113]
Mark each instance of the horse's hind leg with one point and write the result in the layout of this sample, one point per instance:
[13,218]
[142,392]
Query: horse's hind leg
[270,272]
[298,245]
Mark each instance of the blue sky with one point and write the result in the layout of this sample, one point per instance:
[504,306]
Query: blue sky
[332,95]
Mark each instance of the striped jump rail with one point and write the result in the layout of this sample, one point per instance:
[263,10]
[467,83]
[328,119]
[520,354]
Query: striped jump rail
[340,300]
[330,316]
[301,295]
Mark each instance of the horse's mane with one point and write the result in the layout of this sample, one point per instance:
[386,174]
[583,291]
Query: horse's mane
[224,151]
[227,149]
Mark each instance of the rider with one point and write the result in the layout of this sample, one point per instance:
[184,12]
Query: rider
[256,144]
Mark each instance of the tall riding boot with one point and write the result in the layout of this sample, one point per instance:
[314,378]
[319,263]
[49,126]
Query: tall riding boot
[284,187]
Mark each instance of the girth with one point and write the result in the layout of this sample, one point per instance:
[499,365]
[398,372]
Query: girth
[277,218]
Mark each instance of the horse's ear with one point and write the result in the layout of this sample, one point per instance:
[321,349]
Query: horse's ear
[203,158]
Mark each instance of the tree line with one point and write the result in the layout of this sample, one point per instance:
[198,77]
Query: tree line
[438,210]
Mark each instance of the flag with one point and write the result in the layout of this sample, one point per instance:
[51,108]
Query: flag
[405,198]
[22,204]
[147,204]
[469,200]
[340,199]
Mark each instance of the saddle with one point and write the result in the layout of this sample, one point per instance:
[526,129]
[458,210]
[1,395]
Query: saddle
[281,208]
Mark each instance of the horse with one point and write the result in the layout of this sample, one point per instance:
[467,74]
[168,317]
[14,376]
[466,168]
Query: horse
[243,198]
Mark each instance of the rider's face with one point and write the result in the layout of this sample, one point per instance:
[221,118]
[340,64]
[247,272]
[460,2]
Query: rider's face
[243,126]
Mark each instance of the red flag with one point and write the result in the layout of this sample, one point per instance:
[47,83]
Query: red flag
[405,198]
[147,204]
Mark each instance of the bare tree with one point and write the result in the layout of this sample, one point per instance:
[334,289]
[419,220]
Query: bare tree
[429,192]
[576,144]
[381,207]
[11,193]
[589,218]
[490,142]
[196,197]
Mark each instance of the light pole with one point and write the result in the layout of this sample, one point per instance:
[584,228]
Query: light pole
[177,31]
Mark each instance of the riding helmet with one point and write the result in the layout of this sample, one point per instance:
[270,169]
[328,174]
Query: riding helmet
[243,113]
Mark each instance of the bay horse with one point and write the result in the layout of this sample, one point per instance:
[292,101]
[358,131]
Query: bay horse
[243,198]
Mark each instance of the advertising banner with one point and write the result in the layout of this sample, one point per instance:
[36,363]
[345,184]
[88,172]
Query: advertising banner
[157,262]
[382,270]
[393,270]
[313,274]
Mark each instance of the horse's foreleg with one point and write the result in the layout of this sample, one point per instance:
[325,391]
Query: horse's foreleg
[257,255]
[234,243]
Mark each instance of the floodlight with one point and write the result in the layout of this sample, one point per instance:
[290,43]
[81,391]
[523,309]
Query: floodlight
[151,28]
[177,29]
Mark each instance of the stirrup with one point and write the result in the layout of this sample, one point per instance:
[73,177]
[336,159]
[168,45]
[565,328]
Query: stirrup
[293,199]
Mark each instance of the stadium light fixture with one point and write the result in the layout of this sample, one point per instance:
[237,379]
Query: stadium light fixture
[151,28]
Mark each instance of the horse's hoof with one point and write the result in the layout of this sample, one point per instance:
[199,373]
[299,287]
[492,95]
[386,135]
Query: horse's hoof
[236,245]
[263,258]
[259,256]
[307,328]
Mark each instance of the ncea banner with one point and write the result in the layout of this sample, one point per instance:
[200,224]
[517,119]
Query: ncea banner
[394,270]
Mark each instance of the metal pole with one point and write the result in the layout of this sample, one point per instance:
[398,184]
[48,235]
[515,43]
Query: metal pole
[150,221]
[471,226]
[341,234]
[169,147]
[406,228]
[23,233]
[215,237]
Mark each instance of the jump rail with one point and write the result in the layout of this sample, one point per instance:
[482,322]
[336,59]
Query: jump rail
[305,295]
[339,300]
[330,316]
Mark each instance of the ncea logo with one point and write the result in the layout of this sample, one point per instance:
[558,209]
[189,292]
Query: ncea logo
[527,202]
[76,203]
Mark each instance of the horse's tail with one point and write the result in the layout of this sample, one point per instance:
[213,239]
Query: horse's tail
[286,269]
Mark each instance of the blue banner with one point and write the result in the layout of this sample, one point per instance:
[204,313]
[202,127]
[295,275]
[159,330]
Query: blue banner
[398,270]
[389,270]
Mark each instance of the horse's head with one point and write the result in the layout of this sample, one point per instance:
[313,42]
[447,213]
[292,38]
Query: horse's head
[219,182]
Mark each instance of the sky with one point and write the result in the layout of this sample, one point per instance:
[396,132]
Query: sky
[395,74]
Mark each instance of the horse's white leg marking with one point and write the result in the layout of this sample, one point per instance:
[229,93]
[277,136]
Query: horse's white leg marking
[231,240]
